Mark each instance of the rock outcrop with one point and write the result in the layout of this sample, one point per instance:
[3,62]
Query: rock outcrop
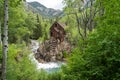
[52,50]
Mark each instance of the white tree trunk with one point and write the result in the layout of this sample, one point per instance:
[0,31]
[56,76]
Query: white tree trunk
[5,40]
[0,36]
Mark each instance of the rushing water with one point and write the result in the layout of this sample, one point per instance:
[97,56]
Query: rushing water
[48,66]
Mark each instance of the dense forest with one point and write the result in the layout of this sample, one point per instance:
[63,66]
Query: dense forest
[92,29]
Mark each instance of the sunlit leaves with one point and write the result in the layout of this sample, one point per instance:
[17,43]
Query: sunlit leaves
[101,58]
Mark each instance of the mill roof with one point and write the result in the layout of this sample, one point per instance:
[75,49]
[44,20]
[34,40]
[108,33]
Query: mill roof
[61,24]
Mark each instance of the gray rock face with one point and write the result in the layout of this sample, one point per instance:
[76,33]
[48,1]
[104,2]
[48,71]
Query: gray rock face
[46,52]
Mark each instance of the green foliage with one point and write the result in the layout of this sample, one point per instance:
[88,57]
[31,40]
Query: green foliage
[55,76]
[37,32]
[75,66]
[103,55]
[49,76]
[22,69]
[101,59]
[65,54]
[96,58]
[23,23]
[0,53]
[70,28]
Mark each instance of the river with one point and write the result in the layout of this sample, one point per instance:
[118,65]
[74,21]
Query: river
[48,66]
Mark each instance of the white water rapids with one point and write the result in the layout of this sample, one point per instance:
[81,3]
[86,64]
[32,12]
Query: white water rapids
[49,66]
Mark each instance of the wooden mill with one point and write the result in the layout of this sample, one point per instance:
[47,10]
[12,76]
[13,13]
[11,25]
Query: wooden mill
[57,34]
[57,31]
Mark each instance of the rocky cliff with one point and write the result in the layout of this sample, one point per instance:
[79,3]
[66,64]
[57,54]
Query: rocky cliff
[53,50]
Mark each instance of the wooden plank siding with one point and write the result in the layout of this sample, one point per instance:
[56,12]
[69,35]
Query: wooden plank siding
[57,31]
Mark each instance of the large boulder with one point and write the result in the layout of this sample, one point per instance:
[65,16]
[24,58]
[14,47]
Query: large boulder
[53,58]
[46,54]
